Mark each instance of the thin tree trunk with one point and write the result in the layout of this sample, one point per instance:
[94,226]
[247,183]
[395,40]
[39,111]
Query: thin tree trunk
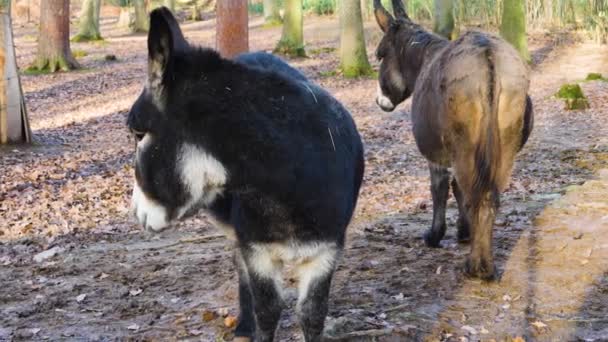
[88,28]
[124,18]
[353,55]
[272,16]
[170,4]
[292,39]
[232,36]
[141,22]
[54,52]
[14,124]
[444,18]
[513,26]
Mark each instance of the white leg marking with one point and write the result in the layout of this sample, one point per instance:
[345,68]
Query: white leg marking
[312,261]
[201,174]
[315,267]
[383,101]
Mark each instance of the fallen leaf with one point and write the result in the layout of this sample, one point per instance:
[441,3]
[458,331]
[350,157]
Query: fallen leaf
[135,292]
[81,298]
[539,325]
[519,339]
[133,326]
[208,316]
[438,271]
[230,321]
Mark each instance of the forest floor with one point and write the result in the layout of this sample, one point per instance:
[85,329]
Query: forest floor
[103,279]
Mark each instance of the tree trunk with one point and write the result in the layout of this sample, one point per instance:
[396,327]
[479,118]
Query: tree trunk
[271,13]
[444,18]
[14,124]
[232,36]
[88,28]
[353,56]
[170,4]
[292,39]
[125,18]
[513,26]
[141,22]
[54,52]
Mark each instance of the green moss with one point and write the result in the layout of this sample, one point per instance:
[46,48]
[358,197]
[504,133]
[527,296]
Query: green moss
[79,53]
[321,50]
[594,76]
[573,96]
[353,72]
[570,91]
[79,38]
[273,23]
[288,48]
[329,73]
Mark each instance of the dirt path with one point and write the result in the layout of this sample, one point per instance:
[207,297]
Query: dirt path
[109,281]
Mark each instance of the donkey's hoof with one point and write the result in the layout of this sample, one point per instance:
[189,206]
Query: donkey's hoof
[432,240]
[463,236]
[242,339]
[464,233]
[480,269]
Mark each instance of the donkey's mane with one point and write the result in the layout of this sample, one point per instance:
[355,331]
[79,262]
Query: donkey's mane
[423,41]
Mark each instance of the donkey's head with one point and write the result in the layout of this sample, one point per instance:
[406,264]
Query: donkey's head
[397,73]
[174,176]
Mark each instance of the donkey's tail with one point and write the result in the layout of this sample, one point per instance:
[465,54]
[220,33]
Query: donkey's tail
[488,149]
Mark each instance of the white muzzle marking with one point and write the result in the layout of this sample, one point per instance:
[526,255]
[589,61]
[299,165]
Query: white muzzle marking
[148,213]
[383,101]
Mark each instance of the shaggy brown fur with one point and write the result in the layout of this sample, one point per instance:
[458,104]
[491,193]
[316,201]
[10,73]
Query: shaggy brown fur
[470,111]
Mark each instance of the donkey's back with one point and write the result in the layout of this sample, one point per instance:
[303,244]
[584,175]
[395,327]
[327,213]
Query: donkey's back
[482,84]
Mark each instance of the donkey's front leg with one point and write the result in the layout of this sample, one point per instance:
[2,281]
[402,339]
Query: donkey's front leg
[440,187]
[264,275]
[314,283]
[245,330]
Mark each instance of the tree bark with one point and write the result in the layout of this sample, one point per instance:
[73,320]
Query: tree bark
[232,36]
[513,26]
[141,22]
[54,52]
[14,124]
[353,55]
[292,39]
[444,18]
[88,28]
[272,16]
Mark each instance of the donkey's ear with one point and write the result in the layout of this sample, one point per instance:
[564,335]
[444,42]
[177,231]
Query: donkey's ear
[164,40]
[383,18]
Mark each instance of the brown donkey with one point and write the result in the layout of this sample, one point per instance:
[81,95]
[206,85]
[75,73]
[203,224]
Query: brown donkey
[470,112]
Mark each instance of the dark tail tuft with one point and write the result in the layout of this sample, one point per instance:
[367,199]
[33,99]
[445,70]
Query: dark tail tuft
[488,149]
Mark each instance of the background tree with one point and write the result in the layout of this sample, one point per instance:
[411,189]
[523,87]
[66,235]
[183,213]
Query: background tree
[14,124]
[88,28]
[353,56]
[272,16]
[54,52]
[232,36]
[141,22]
[170,4]
[444,18]
[513,26]
[292,39]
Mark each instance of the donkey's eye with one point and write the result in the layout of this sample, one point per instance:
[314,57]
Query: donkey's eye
[138,135]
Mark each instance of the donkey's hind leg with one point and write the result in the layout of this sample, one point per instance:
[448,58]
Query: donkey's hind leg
[464,225]
[314,282]
[245,330]
[264,275]
[440,186]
